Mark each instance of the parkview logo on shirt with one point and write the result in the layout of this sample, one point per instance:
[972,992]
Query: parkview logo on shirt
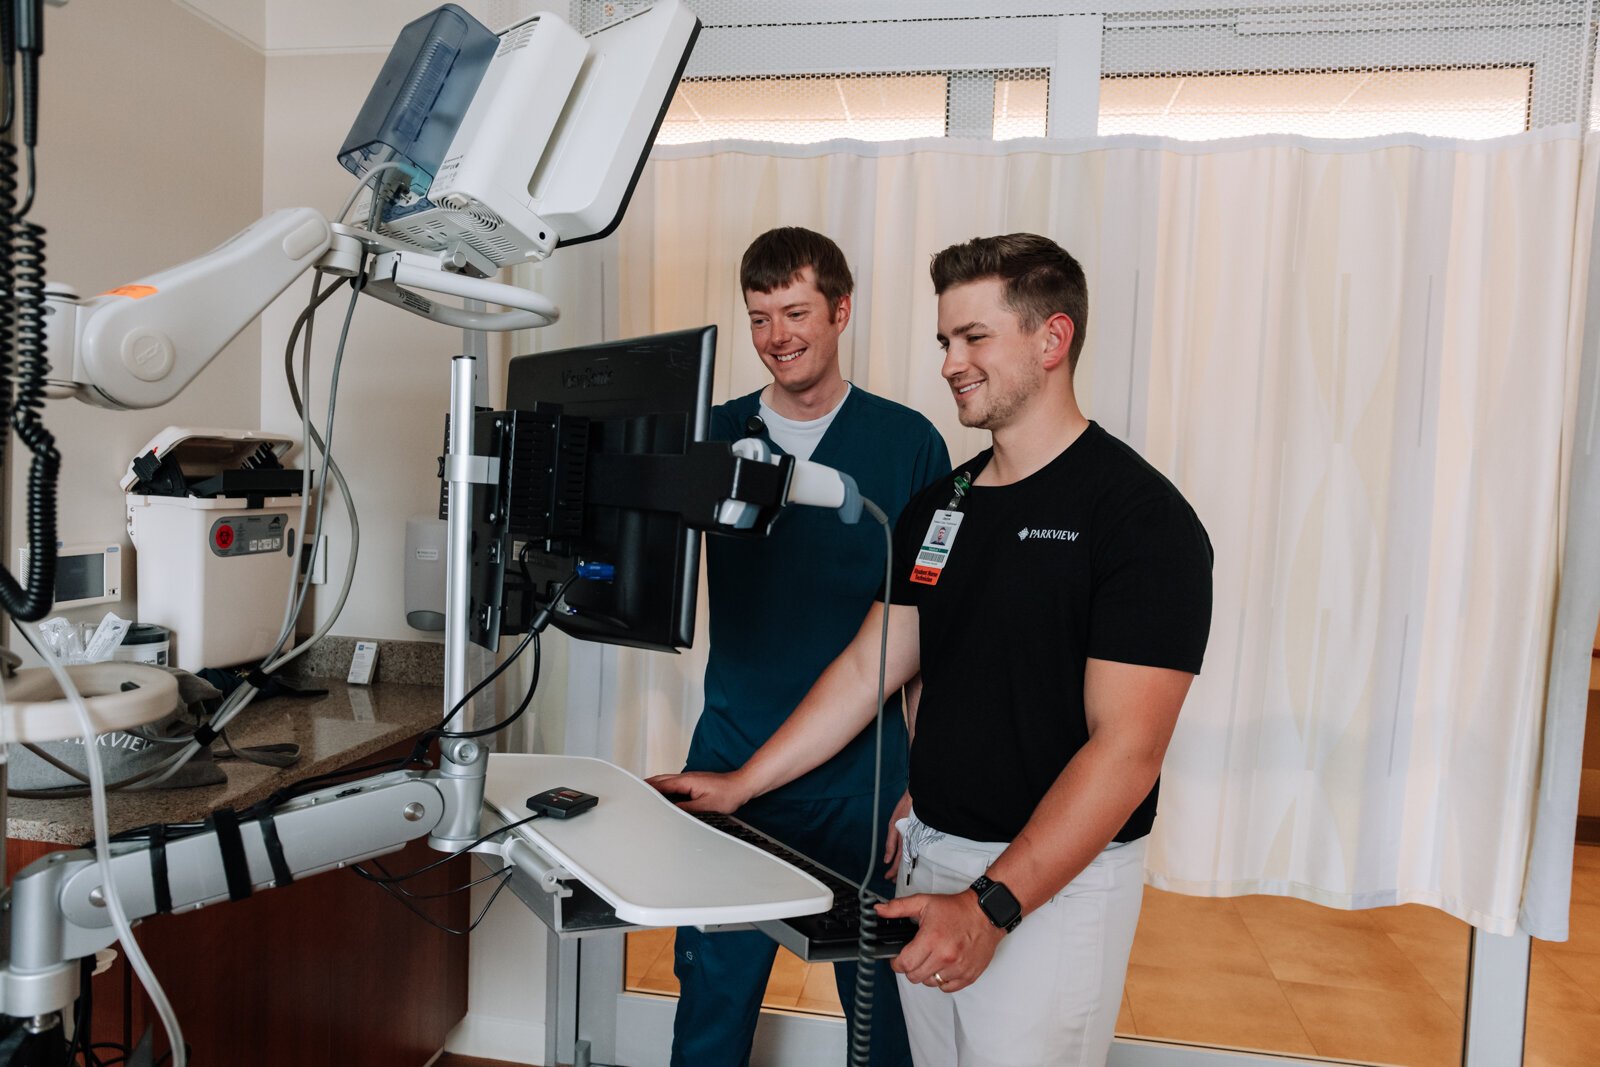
[1046,535]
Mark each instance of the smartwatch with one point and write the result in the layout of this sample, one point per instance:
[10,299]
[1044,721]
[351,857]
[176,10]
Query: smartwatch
[997,903]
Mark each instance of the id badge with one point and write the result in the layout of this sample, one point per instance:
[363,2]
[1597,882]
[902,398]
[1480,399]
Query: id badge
[936,546]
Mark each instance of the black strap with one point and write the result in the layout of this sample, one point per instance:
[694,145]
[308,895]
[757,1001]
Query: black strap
[225,822]
[204,735]
[158,869]
[281,875]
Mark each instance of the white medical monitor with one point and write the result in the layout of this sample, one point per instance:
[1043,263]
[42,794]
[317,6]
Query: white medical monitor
[551,146]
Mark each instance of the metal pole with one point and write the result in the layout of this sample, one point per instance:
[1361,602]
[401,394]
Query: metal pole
[458,562]
[1497,999]
[463,761]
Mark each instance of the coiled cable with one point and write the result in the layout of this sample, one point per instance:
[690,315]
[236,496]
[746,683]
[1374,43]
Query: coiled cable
[867,939]
[29,603]
[22,331]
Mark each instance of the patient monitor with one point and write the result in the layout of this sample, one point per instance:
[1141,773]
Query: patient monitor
[485,151]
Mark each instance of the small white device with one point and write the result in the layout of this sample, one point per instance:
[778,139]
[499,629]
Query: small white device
[363,663]
[213,570]
[85,574]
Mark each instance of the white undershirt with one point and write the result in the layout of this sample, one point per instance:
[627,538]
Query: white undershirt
[797,438]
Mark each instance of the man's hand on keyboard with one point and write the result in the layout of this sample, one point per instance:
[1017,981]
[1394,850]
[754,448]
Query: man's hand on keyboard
[703,790]
[955,940]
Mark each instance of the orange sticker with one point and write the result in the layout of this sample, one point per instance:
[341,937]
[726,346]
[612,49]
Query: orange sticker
[136,292]
[925,575]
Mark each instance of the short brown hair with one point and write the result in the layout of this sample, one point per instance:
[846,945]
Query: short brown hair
[1041,279]
[777,257]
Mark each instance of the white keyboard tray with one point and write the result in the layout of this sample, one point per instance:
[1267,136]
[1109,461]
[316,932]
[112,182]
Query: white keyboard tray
[653,864]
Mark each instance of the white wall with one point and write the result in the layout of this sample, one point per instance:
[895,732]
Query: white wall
[150,153]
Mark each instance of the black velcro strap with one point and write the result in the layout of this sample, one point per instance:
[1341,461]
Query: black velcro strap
[204,735]
[231,844]
[158,869]
[257,679]
[281,875]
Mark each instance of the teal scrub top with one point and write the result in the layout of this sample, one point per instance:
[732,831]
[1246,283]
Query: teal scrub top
[783,607]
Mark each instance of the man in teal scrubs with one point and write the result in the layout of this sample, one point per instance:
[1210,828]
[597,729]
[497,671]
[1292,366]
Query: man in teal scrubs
[781,609]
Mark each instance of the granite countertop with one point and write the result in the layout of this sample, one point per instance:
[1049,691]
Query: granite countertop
[349,724]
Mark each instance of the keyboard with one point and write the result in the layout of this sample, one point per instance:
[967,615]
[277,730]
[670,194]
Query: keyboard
[831,936]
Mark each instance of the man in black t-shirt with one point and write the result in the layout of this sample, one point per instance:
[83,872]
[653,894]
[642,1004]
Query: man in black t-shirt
[1057,623]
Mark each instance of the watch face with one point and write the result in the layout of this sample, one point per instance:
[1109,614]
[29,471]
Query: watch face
[998,903]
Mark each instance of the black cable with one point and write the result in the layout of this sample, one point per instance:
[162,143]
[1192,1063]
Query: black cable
[527,698]
[540,621]
[419,913]
[866,938]
[8,207]
[115,1061]
[417,754]
[8,60]
[83,1010]
[23,331]
[439,731]
[385,872]
[29,42]
[425,868]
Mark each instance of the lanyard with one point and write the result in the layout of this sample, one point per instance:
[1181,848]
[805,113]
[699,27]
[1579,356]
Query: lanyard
[963,482]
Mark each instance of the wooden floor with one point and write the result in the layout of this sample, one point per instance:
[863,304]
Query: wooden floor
[1386,985]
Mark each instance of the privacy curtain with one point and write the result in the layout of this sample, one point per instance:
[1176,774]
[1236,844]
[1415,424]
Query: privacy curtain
[1359,360]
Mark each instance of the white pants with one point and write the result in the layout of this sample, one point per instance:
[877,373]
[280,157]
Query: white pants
[1050,996]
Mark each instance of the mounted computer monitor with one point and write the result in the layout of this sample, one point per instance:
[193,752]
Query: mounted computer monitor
[646,397]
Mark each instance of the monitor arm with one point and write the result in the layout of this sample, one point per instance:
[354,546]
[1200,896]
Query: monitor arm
[140,345]
[57,904]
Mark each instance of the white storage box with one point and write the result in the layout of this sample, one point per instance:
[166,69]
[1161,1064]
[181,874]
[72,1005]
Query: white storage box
[215,571]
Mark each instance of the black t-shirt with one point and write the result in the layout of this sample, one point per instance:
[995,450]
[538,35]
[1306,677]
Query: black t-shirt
[1096,555]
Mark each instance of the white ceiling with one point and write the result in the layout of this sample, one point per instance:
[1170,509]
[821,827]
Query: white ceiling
[311,26]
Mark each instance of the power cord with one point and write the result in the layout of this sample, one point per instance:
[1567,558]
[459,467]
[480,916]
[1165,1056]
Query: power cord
[406,898]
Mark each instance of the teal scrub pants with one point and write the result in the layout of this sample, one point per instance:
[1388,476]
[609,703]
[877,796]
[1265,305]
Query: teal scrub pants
[722,976]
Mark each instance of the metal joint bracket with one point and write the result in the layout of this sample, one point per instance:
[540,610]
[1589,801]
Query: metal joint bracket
[38,994]
[551,877]
[479,470]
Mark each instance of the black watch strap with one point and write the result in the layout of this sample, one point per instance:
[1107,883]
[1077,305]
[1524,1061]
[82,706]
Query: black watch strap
[997,903]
